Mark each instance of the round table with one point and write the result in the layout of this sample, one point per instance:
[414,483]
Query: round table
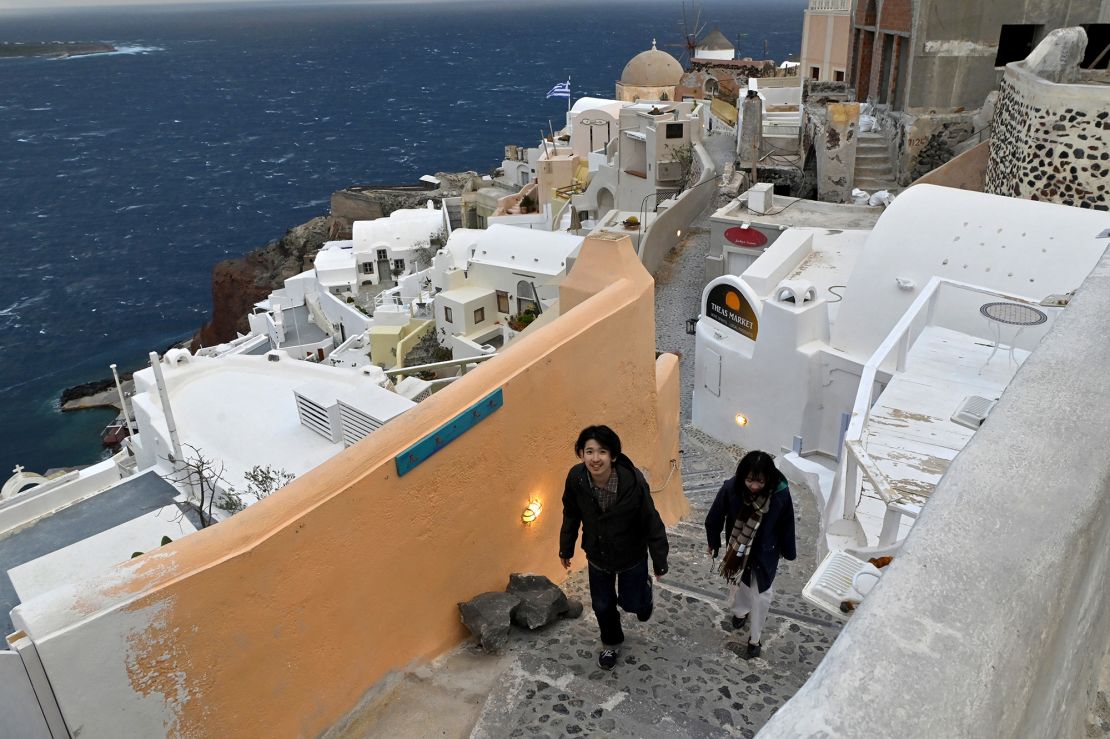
[1010,314]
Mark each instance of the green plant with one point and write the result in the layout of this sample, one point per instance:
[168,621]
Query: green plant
[165,540]
[527,204]
[262,481]
[521,321]
[684,155]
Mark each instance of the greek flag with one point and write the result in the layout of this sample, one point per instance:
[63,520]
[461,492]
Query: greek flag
[561,90]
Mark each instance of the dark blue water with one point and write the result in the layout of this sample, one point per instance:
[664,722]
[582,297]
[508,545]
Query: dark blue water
[125,177]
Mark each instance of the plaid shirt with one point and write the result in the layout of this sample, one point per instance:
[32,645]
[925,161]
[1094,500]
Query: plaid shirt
[606,495]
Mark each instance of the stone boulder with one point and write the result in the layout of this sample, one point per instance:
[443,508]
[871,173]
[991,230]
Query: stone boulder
[488,617]
[541,600]
[574,609]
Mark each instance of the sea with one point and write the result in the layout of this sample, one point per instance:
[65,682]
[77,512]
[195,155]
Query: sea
[124,177]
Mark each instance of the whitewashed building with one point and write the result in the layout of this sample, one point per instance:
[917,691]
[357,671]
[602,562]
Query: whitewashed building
[935,309]
[387,248]
[486,277]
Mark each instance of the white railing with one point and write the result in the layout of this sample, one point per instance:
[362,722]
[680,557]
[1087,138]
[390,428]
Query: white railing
[419,306]
[837,5]
[463,364]
[854,459]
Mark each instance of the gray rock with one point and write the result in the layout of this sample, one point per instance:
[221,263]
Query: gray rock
[488,617]
[541,600]
[574,608]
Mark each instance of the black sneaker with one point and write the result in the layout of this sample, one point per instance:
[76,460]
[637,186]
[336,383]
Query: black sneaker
[753,650]
[739,621]
[607,660]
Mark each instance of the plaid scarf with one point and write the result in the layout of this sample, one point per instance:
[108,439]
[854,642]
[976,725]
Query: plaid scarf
[606,494]
[747,522]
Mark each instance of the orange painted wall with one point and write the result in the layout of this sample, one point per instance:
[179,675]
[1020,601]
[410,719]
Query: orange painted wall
[277,621]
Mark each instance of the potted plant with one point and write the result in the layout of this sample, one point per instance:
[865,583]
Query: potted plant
[631,222]
[520,322]
[527,204]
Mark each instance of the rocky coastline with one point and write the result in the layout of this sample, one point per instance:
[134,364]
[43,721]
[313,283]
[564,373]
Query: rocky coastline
[237,284]
[53,49]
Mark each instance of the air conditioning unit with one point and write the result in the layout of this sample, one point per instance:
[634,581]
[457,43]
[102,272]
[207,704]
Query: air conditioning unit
[668,171]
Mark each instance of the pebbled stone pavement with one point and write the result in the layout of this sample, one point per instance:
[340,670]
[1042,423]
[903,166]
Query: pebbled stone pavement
[680,674]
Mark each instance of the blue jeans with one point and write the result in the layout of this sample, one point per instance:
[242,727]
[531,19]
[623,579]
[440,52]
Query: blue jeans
[629,589]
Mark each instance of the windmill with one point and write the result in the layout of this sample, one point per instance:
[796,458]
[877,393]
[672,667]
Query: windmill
[692,29]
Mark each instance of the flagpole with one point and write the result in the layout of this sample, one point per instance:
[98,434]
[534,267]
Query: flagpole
[568,93]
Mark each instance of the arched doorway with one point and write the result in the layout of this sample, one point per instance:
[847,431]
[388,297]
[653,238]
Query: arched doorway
[605,202]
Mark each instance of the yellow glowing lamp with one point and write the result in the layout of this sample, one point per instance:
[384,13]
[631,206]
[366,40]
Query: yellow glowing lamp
[741,419]
[531,512]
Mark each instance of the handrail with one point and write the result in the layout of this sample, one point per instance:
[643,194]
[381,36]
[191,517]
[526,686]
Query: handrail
[399,371]
[856,459]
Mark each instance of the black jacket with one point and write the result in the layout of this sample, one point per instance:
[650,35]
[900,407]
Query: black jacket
[622,536]
[773,539]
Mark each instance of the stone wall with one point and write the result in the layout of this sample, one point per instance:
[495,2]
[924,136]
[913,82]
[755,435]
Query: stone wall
[921,143]
[835,146]
[1050,141]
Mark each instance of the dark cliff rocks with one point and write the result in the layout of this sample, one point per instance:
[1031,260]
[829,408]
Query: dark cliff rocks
[237,284]
[53,49]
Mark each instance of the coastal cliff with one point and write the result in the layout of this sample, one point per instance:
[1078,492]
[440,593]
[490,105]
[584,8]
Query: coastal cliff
[237,284]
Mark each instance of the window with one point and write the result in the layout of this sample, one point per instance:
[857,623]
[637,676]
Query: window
[815,73]
[479,315]
[447,315]
[367,268]
[1098,38]
[398,264]
[838,75]
[383,254]
[674,130]
[1015,41]
[502,301]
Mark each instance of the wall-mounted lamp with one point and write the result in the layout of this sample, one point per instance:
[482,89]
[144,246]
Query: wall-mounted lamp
[531,512]
[741,419]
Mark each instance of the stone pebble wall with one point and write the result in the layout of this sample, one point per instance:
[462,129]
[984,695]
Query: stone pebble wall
[1047,147]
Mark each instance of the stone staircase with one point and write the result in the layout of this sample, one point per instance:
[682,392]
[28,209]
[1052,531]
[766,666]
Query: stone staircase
[680,674]
[874,170]
[454,213]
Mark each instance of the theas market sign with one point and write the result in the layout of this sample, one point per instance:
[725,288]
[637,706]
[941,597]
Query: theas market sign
[727,305]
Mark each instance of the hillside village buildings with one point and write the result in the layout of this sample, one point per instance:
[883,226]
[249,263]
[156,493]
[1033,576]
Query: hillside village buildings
[894,359]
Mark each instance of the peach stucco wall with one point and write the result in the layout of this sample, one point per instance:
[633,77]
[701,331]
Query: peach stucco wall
[276,622]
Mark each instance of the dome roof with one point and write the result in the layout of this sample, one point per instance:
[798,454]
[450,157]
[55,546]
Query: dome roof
[652,68]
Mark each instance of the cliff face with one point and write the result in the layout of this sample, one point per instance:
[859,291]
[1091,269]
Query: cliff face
[237,284]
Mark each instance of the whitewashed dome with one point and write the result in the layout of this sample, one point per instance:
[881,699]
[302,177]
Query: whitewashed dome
[652,68]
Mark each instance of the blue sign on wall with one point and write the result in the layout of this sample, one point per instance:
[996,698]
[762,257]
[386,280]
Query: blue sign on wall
[419,452]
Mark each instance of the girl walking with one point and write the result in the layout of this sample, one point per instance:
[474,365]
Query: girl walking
[755,511]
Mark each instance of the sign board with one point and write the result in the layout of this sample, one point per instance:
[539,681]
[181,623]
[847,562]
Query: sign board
[749,237]
[728,306]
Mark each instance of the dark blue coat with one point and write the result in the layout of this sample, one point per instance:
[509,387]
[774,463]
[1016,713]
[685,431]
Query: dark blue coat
[773,539]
